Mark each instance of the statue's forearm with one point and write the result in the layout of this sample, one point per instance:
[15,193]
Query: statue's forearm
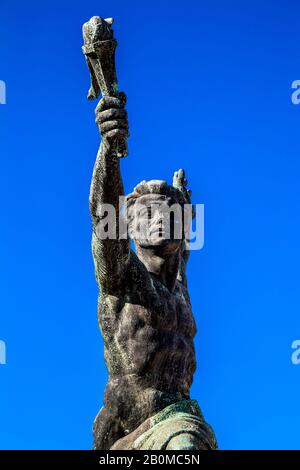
[107,185]
[111,254]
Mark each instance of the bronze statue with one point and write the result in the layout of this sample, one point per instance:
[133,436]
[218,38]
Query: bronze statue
[144,309]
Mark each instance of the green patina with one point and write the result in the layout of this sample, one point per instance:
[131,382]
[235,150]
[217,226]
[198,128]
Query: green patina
[182,406]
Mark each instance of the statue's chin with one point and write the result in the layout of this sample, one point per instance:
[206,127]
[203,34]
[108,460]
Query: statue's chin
[159,242]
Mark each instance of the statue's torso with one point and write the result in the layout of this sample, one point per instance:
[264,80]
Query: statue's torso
[148,335]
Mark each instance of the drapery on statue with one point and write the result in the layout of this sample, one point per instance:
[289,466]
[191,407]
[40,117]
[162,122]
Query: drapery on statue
[144,308]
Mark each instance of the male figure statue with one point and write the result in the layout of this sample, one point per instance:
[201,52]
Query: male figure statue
[144,308]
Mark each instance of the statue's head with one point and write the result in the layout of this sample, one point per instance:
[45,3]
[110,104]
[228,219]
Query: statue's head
[158,214]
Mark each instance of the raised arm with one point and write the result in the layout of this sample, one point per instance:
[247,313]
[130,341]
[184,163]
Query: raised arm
[110,255]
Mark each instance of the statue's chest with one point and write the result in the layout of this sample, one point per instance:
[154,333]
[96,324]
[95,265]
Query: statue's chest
[157,308]
[166,307]
[144,307]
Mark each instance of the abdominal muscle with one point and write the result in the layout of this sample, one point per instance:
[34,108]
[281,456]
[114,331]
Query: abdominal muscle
[165,379]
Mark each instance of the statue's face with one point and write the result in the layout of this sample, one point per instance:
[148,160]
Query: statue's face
[157,221]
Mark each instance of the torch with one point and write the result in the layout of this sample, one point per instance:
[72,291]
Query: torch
[99,50]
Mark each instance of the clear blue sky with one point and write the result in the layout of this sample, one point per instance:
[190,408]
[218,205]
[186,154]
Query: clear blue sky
[209,86]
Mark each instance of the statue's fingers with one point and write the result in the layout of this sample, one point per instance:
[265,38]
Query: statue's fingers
[111,114]
[108,102]
[116,124]
[111,135]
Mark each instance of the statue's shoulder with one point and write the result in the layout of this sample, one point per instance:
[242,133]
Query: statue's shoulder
[135,279]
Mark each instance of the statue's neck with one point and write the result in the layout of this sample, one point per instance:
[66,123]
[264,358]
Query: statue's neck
[164,267]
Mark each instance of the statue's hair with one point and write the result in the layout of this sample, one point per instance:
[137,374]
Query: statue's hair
[155,187]
[178,191]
